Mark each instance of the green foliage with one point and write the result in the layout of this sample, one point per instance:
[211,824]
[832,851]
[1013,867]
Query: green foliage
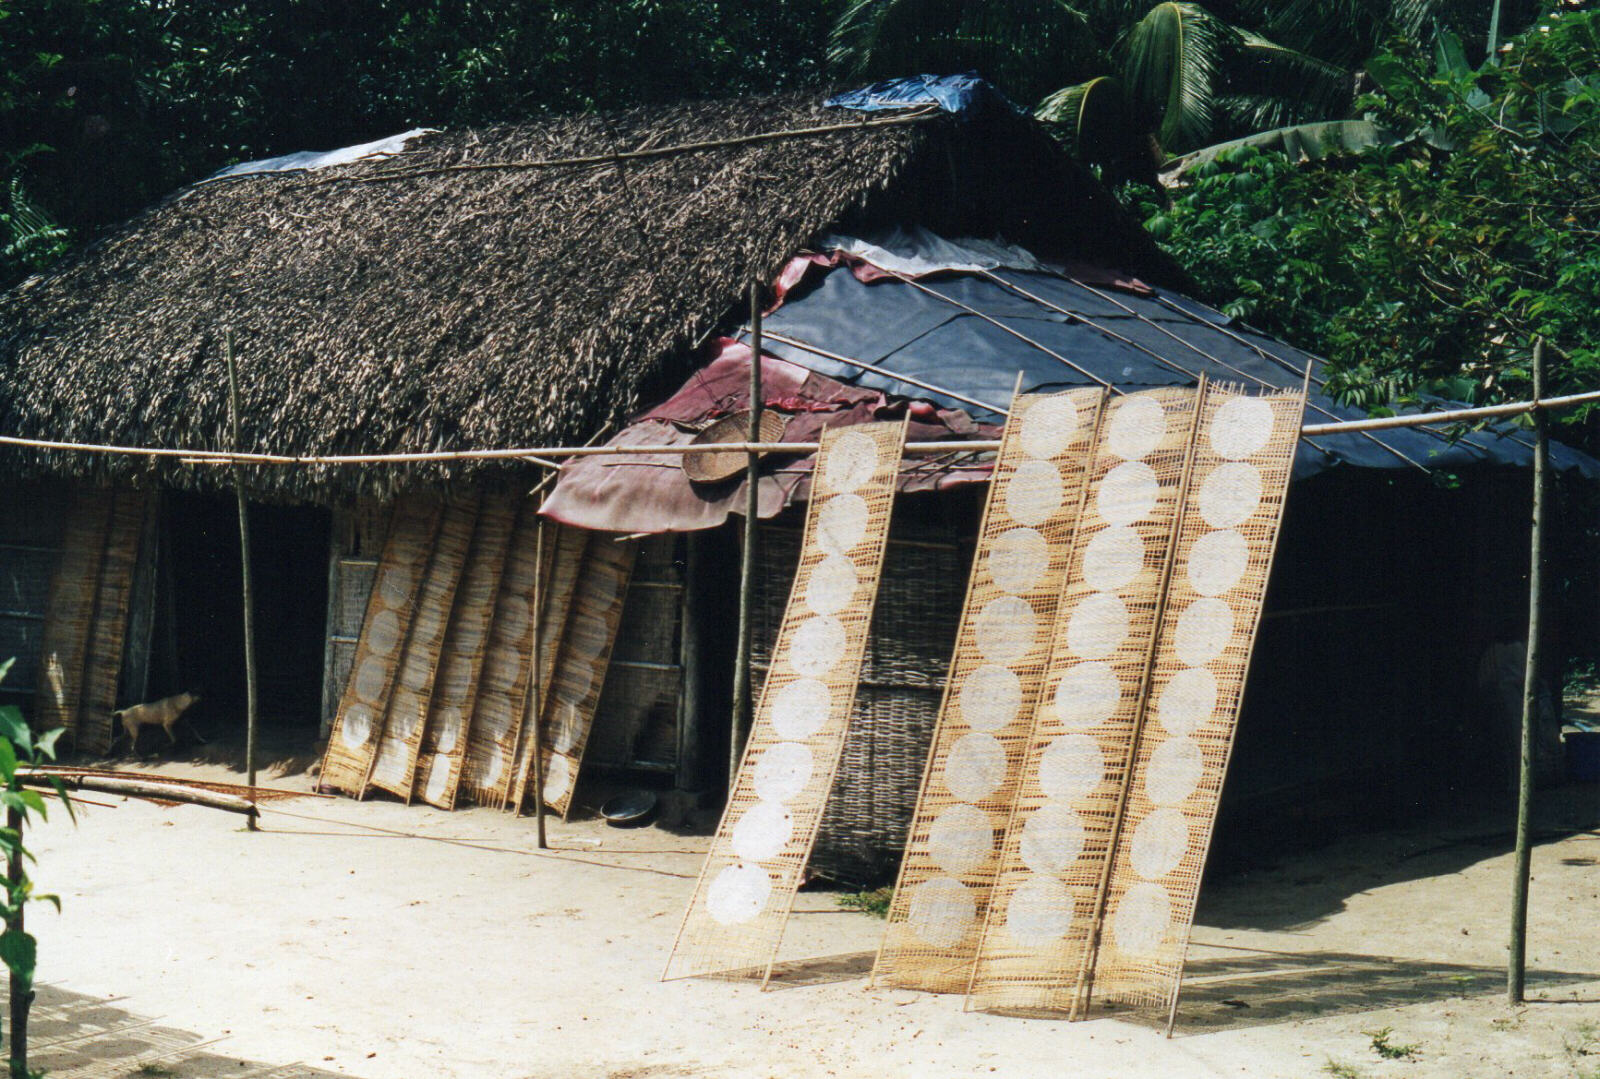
[1387,1049]
[1340,1070]
[875,902]
[18,746]
[1426,267]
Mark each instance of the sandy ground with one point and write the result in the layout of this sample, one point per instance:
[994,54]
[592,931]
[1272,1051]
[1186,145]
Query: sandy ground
[385,941]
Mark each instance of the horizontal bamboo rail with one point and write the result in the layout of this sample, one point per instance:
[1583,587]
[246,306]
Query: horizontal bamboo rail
[138,788]
[223,457]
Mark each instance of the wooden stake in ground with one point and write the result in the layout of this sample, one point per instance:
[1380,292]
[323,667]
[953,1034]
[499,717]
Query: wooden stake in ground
[246,582]
[1516,970]
[747,564]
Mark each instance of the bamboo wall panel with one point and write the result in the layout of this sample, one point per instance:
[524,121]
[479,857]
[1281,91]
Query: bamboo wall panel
[1042,914]
[102,668]
[466,643]
[1229,529]
[579,673]
[394,765]
[69,617]
[735,920]
[384,631]
[489,772]
[984,723]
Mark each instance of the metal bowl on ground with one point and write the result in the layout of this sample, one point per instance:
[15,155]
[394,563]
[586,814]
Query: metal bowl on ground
[629,809]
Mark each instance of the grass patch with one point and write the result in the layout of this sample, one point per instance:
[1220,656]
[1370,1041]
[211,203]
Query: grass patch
[1340,1070]
[875,902]
[154,1070]
[1389,1050]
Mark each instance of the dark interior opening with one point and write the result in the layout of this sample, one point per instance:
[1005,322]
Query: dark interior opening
[199,628]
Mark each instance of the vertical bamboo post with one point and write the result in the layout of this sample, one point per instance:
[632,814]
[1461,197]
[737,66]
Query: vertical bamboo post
[21,992]
[247,582]
[1516,969]
[747,564]
[536,680]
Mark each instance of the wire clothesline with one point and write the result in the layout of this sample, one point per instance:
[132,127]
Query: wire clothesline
[225,457]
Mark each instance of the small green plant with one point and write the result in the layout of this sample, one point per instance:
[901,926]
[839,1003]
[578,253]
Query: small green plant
[1584,1041]
[18,948]
[875,902]
[1340,1070]
[1387,1049]
[154,1070]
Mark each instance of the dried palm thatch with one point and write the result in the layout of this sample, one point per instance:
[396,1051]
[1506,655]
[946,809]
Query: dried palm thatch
[457,297]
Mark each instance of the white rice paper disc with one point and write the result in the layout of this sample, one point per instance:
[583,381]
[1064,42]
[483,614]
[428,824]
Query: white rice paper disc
[1128,493]
[833,582]
[943,911]
[1052,839]
[1230,495]
[511,616]
[738,894]
[1217,561]
[1241,427]
[1097,626]
[493,768]
[1048,427]
[371,677]
[601,589]
[990,698]
[1136,428]
[975,767]
[1005,629]
[394,584]
[557,778]
[574,682]
[1142,919]
[356,727]
[1113,559]
[961,839]
[782,771]
[800,709]
[1087,695]
[1034,493]
[1159,843]
[1173,771]
[1204,629]
[447,721]
[1187,701]
[383,633]
[817,646]
[762,833]
[1071,767]
[438,778]
[1040,912]
[587,636]
[851,460]
[566,727]
[1018,558]
[841,523]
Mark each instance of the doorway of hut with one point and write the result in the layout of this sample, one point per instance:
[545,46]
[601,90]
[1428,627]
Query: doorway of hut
[198,632]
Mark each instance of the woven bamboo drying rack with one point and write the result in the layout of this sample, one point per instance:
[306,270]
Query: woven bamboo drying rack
[735,920]
[982,734]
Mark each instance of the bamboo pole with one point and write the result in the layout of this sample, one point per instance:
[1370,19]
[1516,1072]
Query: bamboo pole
[21,992]
[247,583]
[136,788]
[536,681]
[742,716]
[1516,969]
[223,457]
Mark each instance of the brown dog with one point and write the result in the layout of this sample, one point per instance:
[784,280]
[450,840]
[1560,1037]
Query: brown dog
[163,713]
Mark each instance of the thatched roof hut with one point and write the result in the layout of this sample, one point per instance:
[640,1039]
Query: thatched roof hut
[512,286]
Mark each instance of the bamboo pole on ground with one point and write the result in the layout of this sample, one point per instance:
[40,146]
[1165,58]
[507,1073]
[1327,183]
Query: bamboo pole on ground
[247,583]
[742,716]
[1516,968]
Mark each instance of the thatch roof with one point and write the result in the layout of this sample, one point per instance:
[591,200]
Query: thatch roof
[460,307]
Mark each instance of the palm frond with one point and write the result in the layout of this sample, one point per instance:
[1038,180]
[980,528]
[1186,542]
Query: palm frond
[1171,60]
[1310,88]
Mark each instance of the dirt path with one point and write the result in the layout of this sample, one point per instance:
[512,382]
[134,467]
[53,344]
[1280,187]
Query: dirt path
[388,942]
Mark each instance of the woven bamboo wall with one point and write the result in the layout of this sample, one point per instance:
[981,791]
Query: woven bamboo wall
[1043,910]
[735,920]
[102,669]
[70,614]
[384,631]
[982,733]
[492,741]
[466,642]
[394,766]
[1229,529]
[580,668]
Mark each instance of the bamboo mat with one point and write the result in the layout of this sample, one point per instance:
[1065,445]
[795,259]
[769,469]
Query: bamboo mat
[735,920]
[580,670]
[982,732]
[69,621]
[102,671]
[1042,917]
[384,631]
[1243,456]
[394,764]
[489,772]
[466,643]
